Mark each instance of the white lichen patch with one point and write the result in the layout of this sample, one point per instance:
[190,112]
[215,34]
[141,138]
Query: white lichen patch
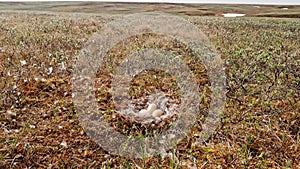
[23,62]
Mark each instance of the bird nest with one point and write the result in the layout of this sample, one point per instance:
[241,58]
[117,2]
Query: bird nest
[154,96]
[153,108]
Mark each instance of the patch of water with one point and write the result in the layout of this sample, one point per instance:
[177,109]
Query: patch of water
[233,15]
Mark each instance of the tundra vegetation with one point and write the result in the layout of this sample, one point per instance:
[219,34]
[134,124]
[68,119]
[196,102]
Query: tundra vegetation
[260,127]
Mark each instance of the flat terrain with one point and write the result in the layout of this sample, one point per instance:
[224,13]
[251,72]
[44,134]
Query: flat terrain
[184,9]
[260,127]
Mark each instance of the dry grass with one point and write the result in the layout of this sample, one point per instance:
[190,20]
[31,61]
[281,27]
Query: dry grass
[40,129]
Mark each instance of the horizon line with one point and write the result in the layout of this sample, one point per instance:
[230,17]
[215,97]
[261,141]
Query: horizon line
[164,1]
